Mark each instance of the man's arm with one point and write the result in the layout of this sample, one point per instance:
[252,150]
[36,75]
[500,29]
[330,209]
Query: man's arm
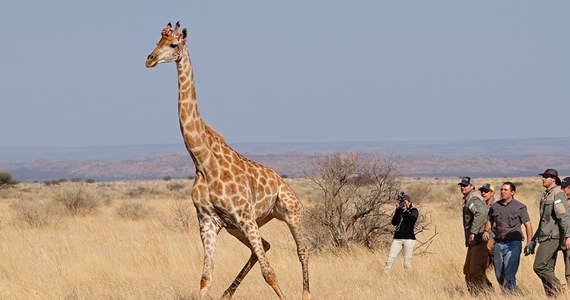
[561,209]
[479,209]
[479,216]
[488,226]
[530,241]
[528,227]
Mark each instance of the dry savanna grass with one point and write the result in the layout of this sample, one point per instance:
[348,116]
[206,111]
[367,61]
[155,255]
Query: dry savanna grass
[132,243]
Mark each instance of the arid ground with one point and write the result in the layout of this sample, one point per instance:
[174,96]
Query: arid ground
[139,240]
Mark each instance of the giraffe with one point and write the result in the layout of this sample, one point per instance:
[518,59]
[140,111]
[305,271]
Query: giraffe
[229,191]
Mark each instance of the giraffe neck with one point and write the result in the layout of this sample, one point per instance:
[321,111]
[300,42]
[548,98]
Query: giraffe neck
[194,131]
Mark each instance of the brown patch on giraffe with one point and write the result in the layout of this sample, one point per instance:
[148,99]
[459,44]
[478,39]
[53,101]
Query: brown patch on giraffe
[239,201]
[231,188]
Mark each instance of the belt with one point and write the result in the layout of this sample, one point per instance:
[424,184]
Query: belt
[504,241]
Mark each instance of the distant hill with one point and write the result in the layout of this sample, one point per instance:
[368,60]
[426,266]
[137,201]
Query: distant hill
[489,158]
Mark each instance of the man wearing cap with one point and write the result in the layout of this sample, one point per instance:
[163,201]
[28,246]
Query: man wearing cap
[505,219]
[404,219]
[474,218]
[565,186]
[553,232]
[488,192]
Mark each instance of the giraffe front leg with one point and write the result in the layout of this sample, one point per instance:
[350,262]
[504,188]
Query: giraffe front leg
[208,233]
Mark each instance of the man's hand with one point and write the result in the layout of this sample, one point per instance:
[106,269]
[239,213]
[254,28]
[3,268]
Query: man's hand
[486,236]
[529,249]
[567,243]
[471,238]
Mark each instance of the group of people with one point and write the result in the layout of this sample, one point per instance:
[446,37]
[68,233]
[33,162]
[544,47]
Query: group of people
[494,236]
[498,226]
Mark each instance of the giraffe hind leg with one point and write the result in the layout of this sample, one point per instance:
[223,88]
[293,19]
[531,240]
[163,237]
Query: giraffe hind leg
[248,265]
[303,254]
[251,231]
[292,216]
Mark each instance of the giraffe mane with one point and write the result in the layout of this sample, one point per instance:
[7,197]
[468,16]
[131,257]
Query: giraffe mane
[214,133]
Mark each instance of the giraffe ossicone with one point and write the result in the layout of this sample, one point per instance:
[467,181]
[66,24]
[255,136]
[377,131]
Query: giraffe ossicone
[229,191]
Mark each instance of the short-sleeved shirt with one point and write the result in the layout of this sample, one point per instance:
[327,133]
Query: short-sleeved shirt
[507,219]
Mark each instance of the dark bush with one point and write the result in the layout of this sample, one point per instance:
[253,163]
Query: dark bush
[6,180]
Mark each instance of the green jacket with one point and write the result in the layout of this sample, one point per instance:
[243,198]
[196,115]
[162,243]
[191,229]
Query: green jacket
[554,216]
[475,212]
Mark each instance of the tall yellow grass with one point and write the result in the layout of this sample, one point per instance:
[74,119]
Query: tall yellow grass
[104,256]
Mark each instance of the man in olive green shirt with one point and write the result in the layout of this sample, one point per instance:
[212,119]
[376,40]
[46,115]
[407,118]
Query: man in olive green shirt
[553,231]
[474,218]
[565,186]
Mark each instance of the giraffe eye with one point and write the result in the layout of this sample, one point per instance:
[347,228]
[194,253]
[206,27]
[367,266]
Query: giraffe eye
[173,46]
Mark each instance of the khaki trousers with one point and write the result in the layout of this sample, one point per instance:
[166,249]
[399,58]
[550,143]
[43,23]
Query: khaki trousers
[476,262]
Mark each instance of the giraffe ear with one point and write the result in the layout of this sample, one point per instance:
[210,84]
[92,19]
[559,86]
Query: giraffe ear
[184,33]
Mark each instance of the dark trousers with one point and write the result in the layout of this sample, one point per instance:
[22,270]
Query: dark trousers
[476,262]
[544,264]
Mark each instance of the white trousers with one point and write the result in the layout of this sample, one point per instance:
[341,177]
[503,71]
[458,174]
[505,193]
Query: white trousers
[397,245]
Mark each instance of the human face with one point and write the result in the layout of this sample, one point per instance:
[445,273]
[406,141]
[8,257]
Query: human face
[566,190]
[465,189]
[548,181]
[487,195]
[506,193]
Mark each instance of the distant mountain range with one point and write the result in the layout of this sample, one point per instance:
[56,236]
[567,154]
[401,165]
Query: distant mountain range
[488,158]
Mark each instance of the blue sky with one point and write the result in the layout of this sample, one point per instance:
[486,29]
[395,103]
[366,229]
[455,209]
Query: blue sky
[73,72]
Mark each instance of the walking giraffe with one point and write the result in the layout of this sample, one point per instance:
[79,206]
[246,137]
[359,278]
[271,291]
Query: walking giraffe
[230,191]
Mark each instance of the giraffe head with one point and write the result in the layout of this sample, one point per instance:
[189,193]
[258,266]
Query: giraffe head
[169,48]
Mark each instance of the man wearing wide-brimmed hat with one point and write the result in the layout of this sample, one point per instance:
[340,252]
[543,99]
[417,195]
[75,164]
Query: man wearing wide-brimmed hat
[553,231]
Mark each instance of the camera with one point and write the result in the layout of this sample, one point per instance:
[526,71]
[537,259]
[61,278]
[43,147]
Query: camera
[401,197]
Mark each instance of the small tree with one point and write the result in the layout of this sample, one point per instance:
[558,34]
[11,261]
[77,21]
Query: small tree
[6,180]
[357,200]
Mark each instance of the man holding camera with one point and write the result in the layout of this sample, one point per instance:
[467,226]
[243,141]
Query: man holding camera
[474,217]
[553,232]
[404,219]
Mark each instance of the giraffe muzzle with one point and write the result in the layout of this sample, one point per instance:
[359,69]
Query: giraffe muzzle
[150,61]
